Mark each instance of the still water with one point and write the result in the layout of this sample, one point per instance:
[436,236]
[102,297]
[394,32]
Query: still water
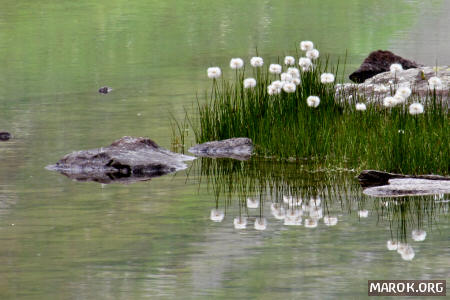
[62,239]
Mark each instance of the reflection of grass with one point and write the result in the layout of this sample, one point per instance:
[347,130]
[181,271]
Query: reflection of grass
[331,135]
[269,181]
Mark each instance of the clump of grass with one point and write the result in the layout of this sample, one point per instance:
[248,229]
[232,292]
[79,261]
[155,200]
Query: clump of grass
[334,134]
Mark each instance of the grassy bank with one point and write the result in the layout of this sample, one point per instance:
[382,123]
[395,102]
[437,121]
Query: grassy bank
[334,134]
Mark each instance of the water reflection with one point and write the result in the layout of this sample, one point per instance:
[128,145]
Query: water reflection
[273,194]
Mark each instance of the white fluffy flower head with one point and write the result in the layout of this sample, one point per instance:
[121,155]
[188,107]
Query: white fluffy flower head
[286,77]
[289,61]
[312,54]
[256,61]
[236,63]
[415,109]
[395,68]
[289,87]
[249,83]
[327,78]
[435,83]
[313,101]
[360,106]
[404,92]
[296,81]
[389,101]
[305,63]
[295,73]
[275,68]
[214,72]
[273,90]
[306,45]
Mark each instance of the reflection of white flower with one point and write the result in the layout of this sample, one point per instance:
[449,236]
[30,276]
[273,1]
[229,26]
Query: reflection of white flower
[311,223]
[316,212]
[289,87]
[252,203]
[236,63]
[306,45]
[289,60]
[389,101]
[419,235]
[240,222]
[217,215]
[214,72]
[260,224]
[275,69]
[291,220]
[395,68]
[257,61]
[435,83]
[277,211]
[360,106]
[363,213]
[312,54]
[305,63]
[286,77]
[415,109]
[315,201]
[293,201]
[330,221]
[406,251]
[249,83]
[313,101]
[404,92]
[391,245]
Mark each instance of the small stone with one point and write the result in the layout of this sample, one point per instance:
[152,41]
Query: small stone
[104,90]
[4,136]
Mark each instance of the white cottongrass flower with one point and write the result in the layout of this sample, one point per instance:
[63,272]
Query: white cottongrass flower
[275,68]
[289,87]
[435,83]
[286,77]
[395,68]
[360,106]
[399,99]
[252,203]
[296,81]
[214,72]
[311,223]
[273,90]
[294,72]
[404,92]
[236,63]
[289,61]
[277,84]
[312,54]
[330,220]
[260,224]
[305,63]
[391,245]
[363,213]
[389,101]
[419,235]
[249,83]
[415,109]
[306,45]
[313,101]
[217,215]
[327,78]
[381,88]
[240,222]
[256,61]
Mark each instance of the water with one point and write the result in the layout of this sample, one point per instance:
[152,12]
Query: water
[68,240]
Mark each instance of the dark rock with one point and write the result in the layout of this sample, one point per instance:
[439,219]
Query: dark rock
[4,136]
[128,159]
[379,62]
[236,148]
[104,90]
[383,184]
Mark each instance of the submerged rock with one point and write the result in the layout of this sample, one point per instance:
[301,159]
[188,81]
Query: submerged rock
[385,84]
[236,148]
[378,62]
[128,159]
[383,184]
[5,136]
[104,90]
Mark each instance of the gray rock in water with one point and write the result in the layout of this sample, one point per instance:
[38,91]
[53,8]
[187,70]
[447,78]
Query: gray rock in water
[236,148]
[384,184]
[126,160]
[385,84]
